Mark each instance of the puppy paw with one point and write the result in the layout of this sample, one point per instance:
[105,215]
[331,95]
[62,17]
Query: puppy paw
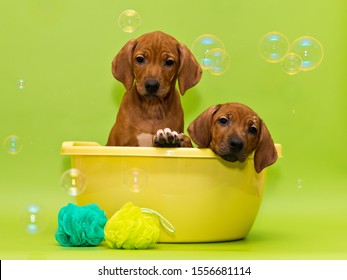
[169,138]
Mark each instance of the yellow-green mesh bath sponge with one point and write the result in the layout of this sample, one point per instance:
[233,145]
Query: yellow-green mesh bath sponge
[132,228]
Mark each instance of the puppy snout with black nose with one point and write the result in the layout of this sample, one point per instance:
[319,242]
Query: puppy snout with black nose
[152,86]
[236,144]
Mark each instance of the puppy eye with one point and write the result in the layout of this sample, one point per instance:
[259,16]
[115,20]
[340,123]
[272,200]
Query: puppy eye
[169,62]
[252,130]
[223,121]
[140,59]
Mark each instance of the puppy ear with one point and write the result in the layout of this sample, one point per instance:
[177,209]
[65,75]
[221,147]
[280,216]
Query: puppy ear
[122,65]
[200,129]
[265,153]
[190,72]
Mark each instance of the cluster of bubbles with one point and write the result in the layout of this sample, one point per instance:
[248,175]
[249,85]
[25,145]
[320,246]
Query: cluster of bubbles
[304,54]
[129,21]
[74,182]
[12,144]
[32,217]
[208,49]
[210,52]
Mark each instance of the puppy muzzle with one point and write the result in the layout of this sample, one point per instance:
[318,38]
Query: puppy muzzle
[235,149]
[152,87]
[236,144]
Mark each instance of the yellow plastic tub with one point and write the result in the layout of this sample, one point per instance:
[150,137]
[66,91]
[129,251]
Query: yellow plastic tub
[204,197]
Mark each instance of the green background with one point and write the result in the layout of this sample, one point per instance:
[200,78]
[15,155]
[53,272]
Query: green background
[63,50]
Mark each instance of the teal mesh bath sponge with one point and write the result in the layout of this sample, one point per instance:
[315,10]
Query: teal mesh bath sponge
[80,225]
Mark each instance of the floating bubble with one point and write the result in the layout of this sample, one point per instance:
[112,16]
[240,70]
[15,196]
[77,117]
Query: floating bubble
[300,183]
[73,182]
[12,145]
[310,50]
[273,47]
[203,45]
[129,21]
[33,219]
[135,179]
[292,64]
[217,61]
[21,84]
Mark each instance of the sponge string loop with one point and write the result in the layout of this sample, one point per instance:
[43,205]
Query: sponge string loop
[164,222]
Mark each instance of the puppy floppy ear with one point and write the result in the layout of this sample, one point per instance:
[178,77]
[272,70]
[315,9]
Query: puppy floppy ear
[190,72]
[122,65]
[265,153]
[199,130]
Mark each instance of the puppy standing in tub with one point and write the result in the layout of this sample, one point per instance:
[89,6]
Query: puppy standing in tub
[151,113]
[234,132]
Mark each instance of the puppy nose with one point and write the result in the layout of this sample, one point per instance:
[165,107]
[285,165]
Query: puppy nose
[152,86]
[236,144]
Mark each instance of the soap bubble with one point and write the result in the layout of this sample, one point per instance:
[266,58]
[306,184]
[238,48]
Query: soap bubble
[310,50]
[21,84]
[300,183]
[203,45]
[273,47]
[217,61]
[73,182]
[129,21]
[33,219]
[135,179]
[12,145]
[292,63]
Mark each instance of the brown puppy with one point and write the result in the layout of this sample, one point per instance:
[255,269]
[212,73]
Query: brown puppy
[149,67]
[234,131]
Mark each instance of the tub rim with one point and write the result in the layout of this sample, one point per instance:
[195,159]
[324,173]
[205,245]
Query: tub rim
[94,148]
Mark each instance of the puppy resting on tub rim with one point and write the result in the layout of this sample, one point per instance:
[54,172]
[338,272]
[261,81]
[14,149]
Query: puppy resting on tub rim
[234,132]
[149,67]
